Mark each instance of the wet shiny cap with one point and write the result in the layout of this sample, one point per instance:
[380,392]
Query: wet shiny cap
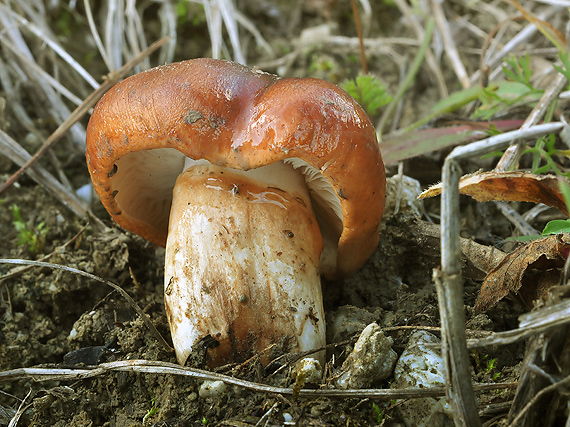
[144,127]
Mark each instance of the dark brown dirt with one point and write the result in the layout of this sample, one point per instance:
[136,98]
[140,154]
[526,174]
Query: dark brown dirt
[47,313]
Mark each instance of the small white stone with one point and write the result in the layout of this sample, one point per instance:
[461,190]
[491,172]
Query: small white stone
[309,370]
[371,360]
[288,419]
[408,196]
[72,334]
[421,365]
[212,389]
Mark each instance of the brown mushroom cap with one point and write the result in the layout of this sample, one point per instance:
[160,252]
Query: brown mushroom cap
[235,117]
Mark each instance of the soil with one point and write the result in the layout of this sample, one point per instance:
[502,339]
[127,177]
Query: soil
[48,315]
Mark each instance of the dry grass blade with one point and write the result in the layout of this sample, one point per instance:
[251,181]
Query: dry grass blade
[20,156]
[80,111]
[216,14]
[42,74]
[494,63]
[551,33]
[449,43]
[430,57]
[46,38]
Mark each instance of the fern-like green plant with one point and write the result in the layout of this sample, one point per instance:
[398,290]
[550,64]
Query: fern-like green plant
[369,91]
[519,70]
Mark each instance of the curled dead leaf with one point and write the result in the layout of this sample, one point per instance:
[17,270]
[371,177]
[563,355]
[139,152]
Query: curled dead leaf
[527,272]
[509,187]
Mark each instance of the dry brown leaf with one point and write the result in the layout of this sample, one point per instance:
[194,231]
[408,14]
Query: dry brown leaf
[509,187]
[530,266]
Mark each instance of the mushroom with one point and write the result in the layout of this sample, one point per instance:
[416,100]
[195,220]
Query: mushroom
[256,185]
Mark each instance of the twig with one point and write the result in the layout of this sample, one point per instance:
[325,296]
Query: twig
[155,367]
[449,288]
[360,38]
[499,142]
[533,323]
[448,282]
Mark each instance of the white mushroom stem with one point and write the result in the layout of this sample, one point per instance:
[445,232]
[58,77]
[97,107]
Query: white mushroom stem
[242,262]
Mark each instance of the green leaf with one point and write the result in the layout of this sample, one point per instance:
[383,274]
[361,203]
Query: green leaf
[447,105]
[565,68]
[505,93]
[369,91]
[557,226]
[519,71]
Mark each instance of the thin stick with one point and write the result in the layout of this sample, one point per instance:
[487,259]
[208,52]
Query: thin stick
[360,38]
[155,367]
[448,281]
[450,297]
[91,100]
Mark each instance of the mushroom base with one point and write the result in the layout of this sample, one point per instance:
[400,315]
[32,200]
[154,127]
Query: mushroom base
[242,264]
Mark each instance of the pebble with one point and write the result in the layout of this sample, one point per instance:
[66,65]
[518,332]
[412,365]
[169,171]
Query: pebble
[308,371]
[421,365]
[371,361]
[212,389]
[408,196]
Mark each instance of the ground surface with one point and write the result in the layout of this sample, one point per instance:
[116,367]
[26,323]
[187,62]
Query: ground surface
[46,314]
